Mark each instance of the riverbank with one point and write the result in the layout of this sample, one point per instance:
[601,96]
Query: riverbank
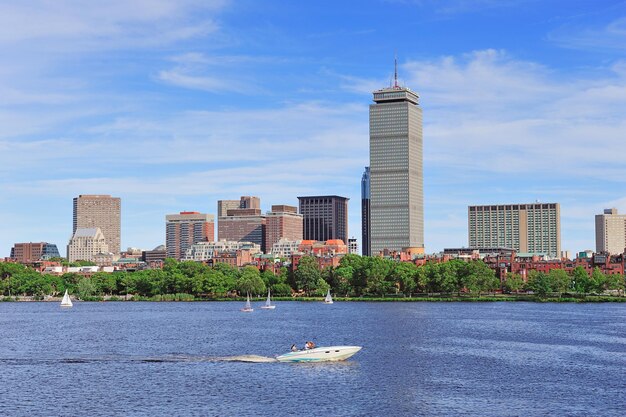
[495,297]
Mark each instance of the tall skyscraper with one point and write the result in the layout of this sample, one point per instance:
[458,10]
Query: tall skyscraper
[529,228]
[396,172]
[283,222]
[611,232]
[365,212]
[325,217]
[184,229]
[100,211]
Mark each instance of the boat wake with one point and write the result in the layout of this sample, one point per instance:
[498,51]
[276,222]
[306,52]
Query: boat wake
[144,359]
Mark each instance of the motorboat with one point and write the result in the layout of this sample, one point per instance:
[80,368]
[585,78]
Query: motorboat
[320,354]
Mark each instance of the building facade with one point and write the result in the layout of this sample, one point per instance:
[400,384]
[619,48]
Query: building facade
[186,228]
[353,246]
[86,244]
[528,228]
[396,172]
[283,222]
[30,252]
[365,212]
[203,251]
[100,211]
[611,232]
[324,217]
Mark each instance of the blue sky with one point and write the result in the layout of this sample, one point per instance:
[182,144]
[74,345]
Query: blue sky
[174,105]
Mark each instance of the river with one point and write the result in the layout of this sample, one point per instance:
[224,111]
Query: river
[210,359]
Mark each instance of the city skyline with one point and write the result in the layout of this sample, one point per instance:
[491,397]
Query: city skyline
[172,107]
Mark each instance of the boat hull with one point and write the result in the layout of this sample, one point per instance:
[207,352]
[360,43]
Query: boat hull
[320,354]
[268,307]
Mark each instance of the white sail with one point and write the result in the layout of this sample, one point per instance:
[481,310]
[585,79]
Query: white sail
[268,302]
[328,299]
[248,307]
[66,302]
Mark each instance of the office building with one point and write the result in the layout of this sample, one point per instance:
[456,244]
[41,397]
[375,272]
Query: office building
[86,244]
[611,232]
[325,217]
[100,211]
[396,172]
[527,228]
[283,222]
[365,212]
[353,246]
[243,223]
[184,229]
[31,252]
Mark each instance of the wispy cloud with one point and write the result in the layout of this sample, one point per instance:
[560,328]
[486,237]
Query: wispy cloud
[577,35]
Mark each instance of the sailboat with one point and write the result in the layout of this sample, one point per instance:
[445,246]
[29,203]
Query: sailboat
[328,299]
[248,307]
[268,303]
[66,302]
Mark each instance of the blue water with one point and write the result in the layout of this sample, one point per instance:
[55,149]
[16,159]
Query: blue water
[418,359]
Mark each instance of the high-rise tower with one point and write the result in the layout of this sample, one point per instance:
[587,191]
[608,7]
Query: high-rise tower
[396,171]
[365,212]
[99,211]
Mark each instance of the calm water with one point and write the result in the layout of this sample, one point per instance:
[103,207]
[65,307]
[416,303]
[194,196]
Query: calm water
[430,359]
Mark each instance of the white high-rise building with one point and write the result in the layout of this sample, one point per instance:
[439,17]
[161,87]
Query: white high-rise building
[611,232]
[396,171]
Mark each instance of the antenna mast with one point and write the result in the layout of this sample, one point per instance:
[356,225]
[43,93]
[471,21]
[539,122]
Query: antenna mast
[395,71]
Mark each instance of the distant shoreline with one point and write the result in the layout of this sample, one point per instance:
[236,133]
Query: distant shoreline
[563,298]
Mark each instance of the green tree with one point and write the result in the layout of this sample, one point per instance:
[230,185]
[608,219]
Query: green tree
[250,282]
[539,283]
[513,282]
[581,280]
[307,275]
[404,274]
[615,282]
[378,273]
[560,280]
[86,288]
[598,280]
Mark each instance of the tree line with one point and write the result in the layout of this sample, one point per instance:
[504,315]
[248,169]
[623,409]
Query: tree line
[355,276]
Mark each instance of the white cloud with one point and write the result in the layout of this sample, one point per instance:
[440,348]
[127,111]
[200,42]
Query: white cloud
[118,23]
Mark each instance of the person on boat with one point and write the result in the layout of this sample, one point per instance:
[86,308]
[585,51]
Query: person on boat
[309,345]
[294,348]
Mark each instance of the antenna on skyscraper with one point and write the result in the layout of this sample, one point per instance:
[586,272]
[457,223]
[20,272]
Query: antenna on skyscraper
[395,70]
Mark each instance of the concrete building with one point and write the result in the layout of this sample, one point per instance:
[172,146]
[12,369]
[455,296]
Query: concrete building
[283,222]
[103,212]
[611,232]
[365,212]
[353,246]
[241,220]
[203,251]
[284,248]
[184,229]
[396,171]
[86,243]
[30,252]
[528,228]
[325,217]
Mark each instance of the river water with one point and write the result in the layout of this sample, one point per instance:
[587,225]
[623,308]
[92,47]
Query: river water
[418,359]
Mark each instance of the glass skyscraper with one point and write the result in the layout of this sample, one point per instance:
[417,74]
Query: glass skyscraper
[365,212]
[396,171]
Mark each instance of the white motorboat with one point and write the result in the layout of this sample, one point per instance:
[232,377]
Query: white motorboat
[320,354]
[248,307]
[268,303]
[66,302]
[329,298]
